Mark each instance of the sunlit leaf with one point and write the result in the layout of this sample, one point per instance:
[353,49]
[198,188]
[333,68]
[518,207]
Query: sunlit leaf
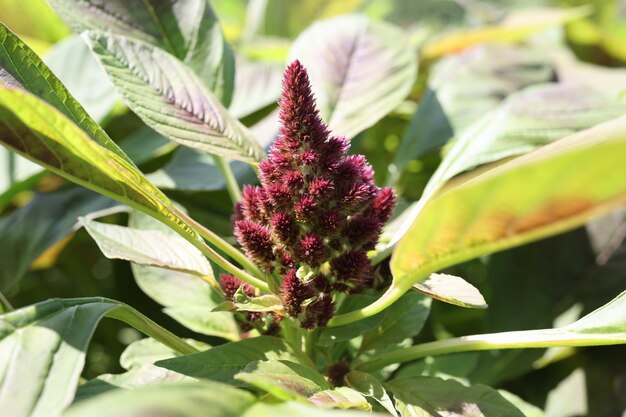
[257,85]
[43,346]
[182,399]
[371,387]
[514,28]
[170,98]
[341,397]
[553,189]
[340,55]
[21,68]
[187,29]
[148,247]
[74,64]
[451,289]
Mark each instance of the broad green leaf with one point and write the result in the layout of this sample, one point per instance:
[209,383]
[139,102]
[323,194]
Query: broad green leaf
[148,247]
[284,379]
[553,189]
[28,231]
[462,88]
[257,85]
[404,319]
[138,360]
[526,120]
[187,299]
[21,68]
[75,66]
[192,170]
[476,81]
[42,350]
[187,29]
[222,363]
[36,130]
[434,397]
[514,28]
[341,397]
[182,399]
[451,289]
[340,54]
[170,98]
[369,386]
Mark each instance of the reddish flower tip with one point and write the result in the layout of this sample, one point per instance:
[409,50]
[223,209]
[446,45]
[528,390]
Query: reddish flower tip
[230,284]
[256,241]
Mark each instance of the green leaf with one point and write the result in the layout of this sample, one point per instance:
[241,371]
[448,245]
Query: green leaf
[28,231]
[284,379]
[514,28]
[42,350]
[138,359]
[545,192]
[17,174]
[451,289]
[188,30]
[404,319]
[330,336]
[72,61]
[369,386]
[525,121]
[222,363]
[340,53]
[342,397]
[257,85]
[148,247]
[36,130]
[183,399]
[170,98]
[187,299]
[434,397]
[21,68]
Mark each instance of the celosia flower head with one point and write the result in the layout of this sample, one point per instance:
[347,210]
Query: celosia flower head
[316,206]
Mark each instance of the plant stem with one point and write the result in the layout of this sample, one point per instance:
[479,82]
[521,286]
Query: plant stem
[229,177]
[224,246]
[388,298]
[5,305]
[217,258]
[507,340]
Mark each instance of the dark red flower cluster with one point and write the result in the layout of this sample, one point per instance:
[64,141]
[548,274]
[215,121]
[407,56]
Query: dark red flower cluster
[317,211]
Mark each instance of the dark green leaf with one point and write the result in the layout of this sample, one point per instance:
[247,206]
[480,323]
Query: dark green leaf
[222,363]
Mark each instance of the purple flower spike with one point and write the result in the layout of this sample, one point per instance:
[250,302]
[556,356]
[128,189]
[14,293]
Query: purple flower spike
[317,209]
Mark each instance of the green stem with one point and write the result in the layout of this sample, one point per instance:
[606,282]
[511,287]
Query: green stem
[387,299]
[216,257]
[229,177]
[507,340]
[5,305]
[224,246]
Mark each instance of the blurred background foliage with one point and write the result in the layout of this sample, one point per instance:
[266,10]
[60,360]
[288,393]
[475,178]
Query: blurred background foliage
[45,255]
